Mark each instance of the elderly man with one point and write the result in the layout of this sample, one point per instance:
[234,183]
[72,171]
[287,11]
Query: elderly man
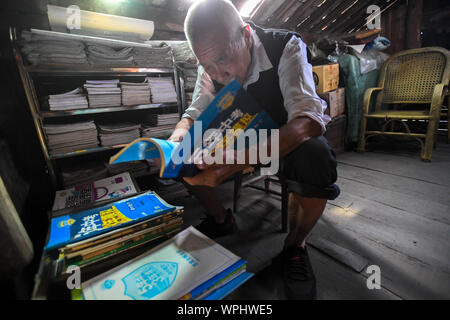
[272,66]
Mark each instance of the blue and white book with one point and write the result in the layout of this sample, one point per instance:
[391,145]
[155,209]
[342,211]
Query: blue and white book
[229,287]
[85,224]
[169,271]
[232,108]
[216,281]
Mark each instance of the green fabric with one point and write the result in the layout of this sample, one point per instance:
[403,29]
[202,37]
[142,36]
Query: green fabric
[355,86]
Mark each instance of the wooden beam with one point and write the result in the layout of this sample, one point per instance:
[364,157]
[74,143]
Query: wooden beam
[413,24]
[333,12]
[300,14]
[357,9]
[276,18]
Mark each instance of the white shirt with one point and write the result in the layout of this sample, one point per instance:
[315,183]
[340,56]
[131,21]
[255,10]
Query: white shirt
[296,83]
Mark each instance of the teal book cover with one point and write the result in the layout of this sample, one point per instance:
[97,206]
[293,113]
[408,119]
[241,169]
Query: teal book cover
[232,108]
[168,272]
[229,287]
[81,225]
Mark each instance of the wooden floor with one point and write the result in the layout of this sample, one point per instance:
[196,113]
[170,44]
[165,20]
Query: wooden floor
[393,212]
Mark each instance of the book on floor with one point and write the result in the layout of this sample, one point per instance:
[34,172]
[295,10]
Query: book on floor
[186,266]
[74,227]
[103,189]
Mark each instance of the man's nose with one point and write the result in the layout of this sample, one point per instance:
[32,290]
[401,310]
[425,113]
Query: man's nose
[222,75]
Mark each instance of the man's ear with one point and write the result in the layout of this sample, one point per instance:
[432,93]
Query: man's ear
[248,36]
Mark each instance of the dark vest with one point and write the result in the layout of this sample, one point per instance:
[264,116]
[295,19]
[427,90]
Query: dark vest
[266,91]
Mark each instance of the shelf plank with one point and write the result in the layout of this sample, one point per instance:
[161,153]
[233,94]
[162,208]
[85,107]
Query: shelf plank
[65,113]
[64,69]
[85,151]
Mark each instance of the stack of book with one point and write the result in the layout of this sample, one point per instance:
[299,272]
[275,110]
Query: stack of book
[104,189]
[117,134]
[71,100]
[137,168]
[80,173]
[169,189]
[162,89]
[162,127]
[43,49]
[63,138]
[103,93]
[157,57]
[105,55]
[189,266]
[88,237]
[135,93]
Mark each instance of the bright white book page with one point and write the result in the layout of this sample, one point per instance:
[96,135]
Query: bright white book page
[166,272]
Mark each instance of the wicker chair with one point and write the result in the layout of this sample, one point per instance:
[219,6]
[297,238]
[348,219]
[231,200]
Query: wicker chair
[409,80]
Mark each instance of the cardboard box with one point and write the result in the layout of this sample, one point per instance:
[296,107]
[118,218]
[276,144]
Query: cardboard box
[326,77]
[336,102]
[335,133]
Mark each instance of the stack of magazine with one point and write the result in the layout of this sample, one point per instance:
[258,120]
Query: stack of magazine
[90,236]
[119,133]
[162,89]
[62,138]
[103,93]
[189,266]
[71,100]
[83,172]
[135,93]
[162,127]
[104,189]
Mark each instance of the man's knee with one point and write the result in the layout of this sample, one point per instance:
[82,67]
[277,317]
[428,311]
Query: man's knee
[310,170]
[314,162]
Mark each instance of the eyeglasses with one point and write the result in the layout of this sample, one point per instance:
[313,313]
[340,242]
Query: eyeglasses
[226,58]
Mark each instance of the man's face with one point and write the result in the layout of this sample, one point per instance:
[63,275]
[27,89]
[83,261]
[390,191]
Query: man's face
[225,56]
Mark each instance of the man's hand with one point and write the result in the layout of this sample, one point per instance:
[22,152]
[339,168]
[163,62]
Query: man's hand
[181,129]
[214,176]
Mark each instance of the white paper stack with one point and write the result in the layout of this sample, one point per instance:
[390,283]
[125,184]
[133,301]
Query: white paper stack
[163,126]
[116,134]
[156,57]
[135,93]
[48,49]
[162,89]
[71,100]
[94,191]
[103,93]
[168,119]
[63,138]
[79,173]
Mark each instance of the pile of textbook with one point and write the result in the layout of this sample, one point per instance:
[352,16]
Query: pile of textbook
[186,267]
[89,236]
[84,194]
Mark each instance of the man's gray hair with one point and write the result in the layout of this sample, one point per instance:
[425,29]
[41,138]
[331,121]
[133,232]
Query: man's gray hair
[211,16]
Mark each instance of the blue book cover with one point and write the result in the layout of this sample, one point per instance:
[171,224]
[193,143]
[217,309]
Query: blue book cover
[75,227]
[207,285]
[229,287]
[232,108]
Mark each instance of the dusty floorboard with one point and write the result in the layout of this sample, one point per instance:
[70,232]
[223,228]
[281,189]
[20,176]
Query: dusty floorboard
[393,212]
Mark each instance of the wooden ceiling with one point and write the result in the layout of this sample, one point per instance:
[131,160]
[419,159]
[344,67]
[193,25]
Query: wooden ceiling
[308,17]
[305,16]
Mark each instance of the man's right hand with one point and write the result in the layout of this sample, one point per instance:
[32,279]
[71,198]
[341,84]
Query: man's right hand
[181,129]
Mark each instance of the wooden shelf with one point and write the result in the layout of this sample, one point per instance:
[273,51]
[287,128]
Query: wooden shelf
[65,70]
[66,113]
[85,151]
